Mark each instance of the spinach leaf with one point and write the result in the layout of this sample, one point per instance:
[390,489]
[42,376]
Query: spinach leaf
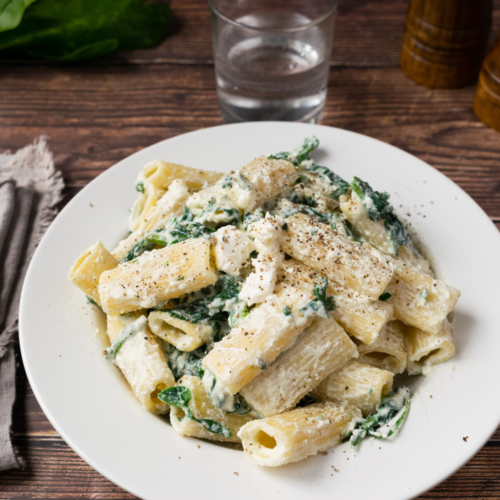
[139,187]
[324,173]
[378,207]
[179,396]
[138,325]
[73,30]
[299,154]
[216,310]
[90,300]
[377,204]
[287,311]
[137,250]
[385,296]
[184,363]
[180,229]
[11,13]
[287,211]
[249,217]
[387,419]
[301,199]
[322,304]
[240,405]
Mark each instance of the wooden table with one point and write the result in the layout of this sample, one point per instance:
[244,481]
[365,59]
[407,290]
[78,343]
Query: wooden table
[99,112]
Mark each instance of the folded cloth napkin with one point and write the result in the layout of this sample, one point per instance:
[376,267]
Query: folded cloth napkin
[30,189]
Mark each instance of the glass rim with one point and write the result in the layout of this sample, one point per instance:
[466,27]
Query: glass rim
[274,30]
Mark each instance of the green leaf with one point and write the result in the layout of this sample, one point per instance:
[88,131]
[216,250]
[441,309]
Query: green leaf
[387,419]
[140,187]
[385,296]
[11,13]
[89,51]
[287,311]
[74,30]
[215,427]
[177,396]
[135,327]
[90,300]
[378,207]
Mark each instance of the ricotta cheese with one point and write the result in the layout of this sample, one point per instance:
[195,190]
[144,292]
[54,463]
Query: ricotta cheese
[260,284]
[232,249]
[267,234]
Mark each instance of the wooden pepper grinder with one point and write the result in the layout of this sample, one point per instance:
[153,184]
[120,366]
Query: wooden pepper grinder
[487,102]
[445,41]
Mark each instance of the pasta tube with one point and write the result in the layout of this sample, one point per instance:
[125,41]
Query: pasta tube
[261,179]
[356,384]
[426,351]
[157,276]
[320,350]
[87,269]
[375,233]
[143,364]
[388,352]
[420,300]
[143,204]
[182,334]
[167,207]
[357,314]
[341,260]
[203,408]
[161,174]
[296,434]
[270,328]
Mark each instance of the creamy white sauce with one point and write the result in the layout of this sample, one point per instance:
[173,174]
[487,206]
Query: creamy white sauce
[260,284]
[232,249]
[267,234]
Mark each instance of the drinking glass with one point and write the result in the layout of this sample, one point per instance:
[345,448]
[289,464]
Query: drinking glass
[272,58]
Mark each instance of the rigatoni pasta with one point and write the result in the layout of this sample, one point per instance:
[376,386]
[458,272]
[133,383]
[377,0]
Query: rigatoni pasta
[157,276]
[321,349]
[296,434]
[356,384]
[271,306]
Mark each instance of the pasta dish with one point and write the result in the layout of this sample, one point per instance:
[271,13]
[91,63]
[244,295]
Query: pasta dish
[271,306]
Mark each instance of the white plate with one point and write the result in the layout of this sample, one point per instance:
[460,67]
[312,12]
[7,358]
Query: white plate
[89,404]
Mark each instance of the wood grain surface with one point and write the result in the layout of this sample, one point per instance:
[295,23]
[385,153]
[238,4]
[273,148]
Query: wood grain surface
[99,112]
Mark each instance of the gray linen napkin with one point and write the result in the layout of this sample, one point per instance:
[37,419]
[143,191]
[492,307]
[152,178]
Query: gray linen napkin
[30,189]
